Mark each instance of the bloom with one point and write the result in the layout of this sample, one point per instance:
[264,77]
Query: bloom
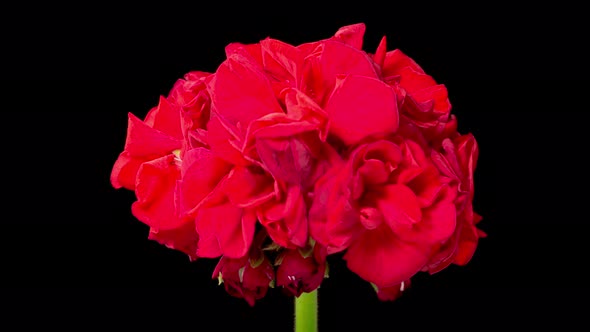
[310,150]
[388,207]
[244,278]
[302,271]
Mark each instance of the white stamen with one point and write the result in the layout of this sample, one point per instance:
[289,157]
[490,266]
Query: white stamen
[402,287]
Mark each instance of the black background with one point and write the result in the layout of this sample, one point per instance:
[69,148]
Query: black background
[73,257]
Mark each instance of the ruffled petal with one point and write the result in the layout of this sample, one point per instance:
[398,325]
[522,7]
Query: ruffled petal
[361,107]
[224,229]
[330,59]
[145,141]
[286,221]
[400,207]
[241,92]
[183,238]
[248,187]
[283,62]
[380,53]
[224,142]
[333,220]
[124,172]
[414,80]
[396,60]
[155,189]
[165,118]
[253,51]
[201,173]
[352,35]
[381,258]
[288,160]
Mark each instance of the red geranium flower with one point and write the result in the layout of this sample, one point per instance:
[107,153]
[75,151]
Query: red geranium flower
[317,148]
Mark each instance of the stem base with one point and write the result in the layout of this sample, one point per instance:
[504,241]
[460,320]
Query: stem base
[306,312]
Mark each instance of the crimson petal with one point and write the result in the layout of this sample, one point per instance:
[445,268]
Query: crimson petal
[381,258]
[155,190]
[241,92]
[360,107]
[145,141]
[224,229]
[166,118]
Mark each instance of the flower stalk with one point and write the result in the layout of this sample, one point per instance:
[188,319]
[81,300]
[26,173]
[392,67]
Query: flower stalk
[306,312]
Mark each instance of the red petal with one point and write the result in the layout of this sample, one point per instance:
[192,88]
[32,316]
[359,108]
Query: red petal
[381,53]
[400,207]
[124,171]
[281,60]
[333,221]
[376,161]
[426,186]
[278,125]
[201,173]
[467,245]
[301,107]
[393,292]
[224,229]
[439,220]
[296,216]
[379,257]
[396,60]
[342,59]
[165,118]
[352,35]
[145,141]
[334,58]
[186,92]
[360,107]
[468,237]
[223,144]
[248,187]
[286,222]
[257,280]
[248,50]
[413,80]
[371,218]
[241,92]
[467,154]
[374,171]
[155,190]
[183,238]
[288,161]
[436,93]
[413,162]
[386,151]
[309,48]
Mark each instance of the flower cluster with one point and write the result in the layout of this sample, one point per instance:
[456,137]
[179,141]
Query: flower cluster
[288,154]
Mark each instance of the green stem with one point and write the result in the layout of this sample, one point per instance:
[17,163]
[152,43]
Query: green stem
[306,312]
